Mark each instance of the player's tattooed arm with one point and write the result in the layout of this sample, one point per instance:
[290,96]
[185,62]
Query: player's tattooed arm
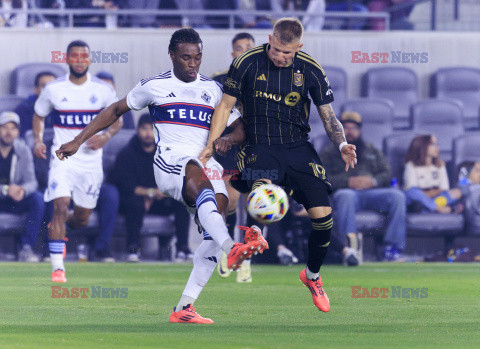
[333,127]
[336,134]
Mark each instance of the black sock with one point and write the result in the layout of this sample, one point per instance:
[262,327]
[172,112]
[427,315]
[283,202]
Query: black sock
[318,242]
[231,221]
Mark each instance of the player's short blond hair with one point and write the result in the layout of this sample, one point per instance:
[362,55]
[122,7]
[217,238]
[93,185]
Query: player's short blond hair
[288,30]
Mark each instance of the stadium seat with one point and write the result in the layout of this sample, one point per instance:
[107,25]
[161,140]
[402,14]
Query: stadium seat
[9,102]
[113,147]
[338,82]
[23,76]
[319,141]
[460,83]
[447,226]
[466,147]
[377,118]
[397,84]
[443,118]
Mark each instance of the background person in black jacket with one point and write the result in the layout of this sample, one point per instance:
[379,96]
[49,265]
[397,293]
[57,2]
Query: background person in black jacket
[134,178]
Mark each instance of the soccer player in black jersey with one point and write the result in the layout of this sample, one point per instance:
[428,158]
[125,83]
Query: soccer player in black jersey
[274,82]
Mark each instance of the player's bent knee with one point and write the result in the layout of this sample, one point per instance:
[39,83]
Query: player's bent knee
[319,212]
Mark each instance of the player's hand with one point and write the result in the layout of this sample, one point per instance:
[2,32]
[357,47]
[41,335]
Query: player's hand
[67,149]
[97,141]
[222,145]
[40,150]
[349,156]
[158,195]
[206,154]
[16,192]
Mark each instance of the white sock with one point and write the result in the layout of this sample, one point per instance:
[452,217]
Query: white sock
[204,263]
[57,261]
[312,276]
[56,253]
[212,221]
[184,301]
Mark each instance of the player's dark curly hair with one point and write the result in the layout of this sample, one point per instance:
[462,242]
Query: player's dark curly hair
[77,43]
[183,36]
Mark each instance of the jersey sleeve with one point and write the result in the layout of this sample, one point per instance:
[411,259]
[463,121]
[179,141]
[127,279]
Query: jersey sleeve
[43,104]
[235,77]
[234,115]
[139,97]
[319,86]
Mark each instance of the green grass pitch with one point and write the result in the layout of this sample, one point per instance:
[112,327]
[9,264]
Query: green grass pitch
[275,311]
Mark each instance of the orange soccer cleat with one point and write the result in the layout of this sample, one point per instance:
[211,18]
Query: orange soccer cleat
[188,316]
[320,298]
[254,233]
[59,276]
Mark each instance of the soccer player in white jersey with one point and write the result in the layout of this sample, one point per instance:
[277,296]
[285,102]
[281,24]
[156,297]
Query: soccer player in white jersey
[181,103]
[76,99]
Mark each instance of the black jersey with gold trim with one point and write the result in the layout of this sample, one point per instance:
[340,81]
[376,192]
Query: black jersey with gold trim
[276,101]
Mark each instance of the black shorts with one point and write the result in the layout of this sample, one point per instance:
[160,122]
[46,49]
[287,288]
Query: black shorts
[295,166]
[229,161]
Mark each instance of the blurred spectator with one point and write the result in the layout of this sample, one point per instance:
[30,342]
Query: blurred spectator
[343,6]
[25,109]
[195,21]
[8,19]
[220,22]
[311,22]
[133,175]
[18,193]
[425,178]
[93,20]
[365,187]
[469,183]
[398,19]
[128,122]
[143,21]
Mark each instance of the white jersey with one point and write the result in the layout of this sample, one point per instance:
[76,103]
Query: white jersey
[74,107]
[181,111]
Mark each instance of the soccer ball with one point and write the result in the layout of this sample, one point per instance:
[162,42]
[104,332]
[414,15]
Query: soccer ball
[267,204]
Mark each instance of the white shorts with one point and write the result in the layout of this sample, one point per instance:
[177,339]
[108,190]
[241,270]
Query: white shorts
[82,186]
[169,169]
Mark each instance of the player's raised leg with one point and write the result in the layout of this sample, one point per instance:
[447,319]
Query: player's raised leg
[210,207]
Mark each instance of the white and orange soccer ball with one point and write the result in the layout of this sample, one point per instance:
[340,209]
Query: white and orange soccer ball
[267,204]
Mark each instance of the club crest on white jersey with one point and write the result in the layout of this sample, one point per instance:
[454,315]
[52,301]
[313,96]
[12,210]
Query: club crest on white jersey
[74,106]
[181,112]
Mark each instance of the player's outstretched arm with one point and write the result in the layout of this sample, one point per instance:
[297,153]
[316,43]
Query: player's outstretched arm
[335,132]
[38,126]
[219,123]
[107,117]
[237,136]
